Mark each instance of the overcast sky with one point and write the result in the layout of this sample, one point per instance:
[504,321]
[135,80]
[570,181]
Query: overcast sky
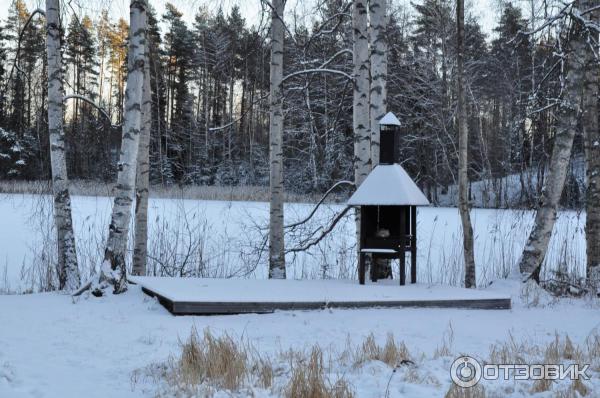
[485,10]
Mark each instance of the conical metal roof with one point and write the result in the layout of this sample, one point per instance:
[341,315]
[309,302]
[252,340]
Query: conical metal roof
[388,185]
[389,120]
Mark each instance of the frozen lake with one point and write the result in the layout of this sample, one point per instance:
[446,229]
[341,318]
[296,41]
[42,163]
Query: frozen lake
[220,239]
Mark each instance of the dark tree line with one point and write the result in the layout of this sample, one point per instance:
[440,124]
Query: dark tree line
[210,85]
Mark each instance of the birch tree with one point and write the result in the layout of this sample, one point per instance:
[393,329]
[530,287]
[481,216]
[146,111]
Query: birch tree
[113,269]
[68,271]
[140,250]
[463,142]
[569,112]
[360,99]
[379,49]
[360,104]
[378,92]
[592,160]
[276,241]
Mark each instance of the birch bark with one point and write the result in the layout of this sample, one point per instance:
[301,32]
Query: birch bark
[570,109]
[378,91]
[140,250]
[463,152]
[592,158]
[276,240]
[360,101]
[360,106]
[113,270]
[379,48]
[68,271]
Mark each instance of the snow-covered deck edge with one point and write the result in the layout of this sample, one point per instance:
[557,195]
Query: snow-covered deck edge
[185,306]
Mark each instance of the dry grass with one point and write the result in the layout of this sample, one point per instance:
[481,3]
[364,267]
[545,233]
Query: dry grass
[560,350]
[308,380]
[576,389]
[218,361]
[445,349]
[541,385]
[592,350]
[265,374]
[455,391]
[579,387]
[391,353]
[511,351]
[209,364]
[204,192]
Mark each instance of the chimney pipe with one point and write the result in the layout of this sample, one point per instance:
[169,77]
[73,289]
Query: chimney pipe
[389,139]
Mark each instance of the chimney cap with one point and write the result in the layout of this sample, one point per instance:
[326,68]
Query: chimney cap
[389,120]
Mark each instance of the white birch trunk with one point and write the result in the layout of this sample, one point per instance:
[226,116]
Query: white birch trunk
[276,241]
[140,250]
[379,49]
[592,158]
[360,100]
[68,271]
[113,270]
[463,152]
[537,243]
[378,91]
[360,106]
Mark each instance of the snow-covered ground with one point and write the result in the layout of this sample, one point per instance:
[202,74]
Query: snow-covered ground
[223,234]
[54,346]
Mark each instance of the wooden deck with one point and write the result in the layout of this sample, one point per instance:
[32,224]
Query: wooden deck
[220,297]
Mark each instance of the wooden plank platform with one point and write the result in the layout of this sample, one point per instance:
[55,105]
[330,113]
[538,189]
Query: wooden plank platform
[191,296]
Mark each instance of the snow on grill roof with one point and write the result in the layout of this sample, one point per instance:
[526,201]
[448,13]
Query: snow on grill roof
[389,120]
[388,185]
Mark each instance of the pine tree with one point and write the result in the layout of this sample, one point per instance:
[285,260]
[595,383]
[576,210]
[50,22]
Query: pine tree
[179,53]
[159,98]
[118,41]
[80,59]
[3,73]
[28,51]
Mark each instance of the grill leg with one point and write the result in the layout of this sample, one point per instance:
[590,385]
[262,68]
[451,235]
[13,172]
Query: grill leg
[361,268]
[413,266]
[373,267]
[402,268]
[413,244]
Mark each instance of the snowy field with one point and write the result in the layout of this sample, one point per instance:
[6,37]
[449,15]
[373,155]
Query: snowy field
[219,239]
[54,346]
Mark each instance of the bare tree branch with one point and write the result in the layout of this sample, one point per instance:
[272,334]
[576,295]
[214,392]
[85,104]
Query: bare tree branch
[89,101]
[314,210]
[326,232]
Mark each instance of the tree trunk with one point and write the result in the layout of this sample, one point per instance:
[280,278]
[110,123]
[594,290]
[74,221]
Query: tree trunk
[276,242]
[379,48]
[113,270]
[68,271]
[360,106]
[592,159]
[378,92]
[537,243]
[140,251]
[463,160]
[360,100]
